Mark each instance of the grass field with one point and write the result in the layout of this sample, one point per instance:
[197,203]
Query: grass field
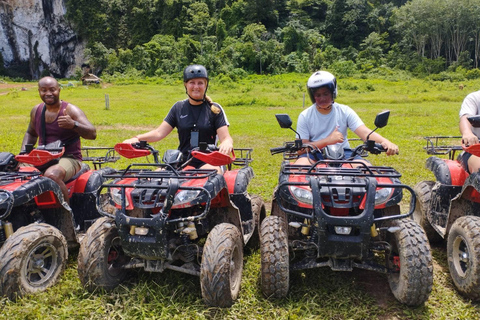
[418,108]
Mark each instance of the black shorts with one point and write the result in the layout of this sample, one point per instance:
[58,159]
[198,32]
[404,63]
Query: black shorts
[463,159]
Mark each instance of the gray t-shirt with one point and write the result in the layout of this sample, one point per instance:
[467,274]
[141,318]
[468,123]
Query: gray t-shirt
[314,126]
[470,106]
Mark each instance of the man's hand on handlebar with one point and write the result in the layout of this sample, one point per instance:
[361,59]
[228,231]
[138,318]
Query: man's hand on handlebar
[392,148]
[469,139]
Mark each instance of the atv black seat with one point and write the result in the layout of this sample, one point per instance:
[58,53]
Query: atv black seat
[84,168]
[7,161]
[441,145]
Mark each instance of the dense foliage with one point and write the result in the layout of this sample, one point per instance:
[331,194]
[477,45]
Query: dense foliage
[156,37]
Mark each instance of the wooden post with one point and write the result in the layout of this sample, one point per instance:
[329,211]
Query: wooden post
[107,102]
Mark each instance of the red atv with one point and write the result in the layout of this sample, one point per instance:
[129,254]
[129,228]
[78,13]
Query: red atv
[36,226]
[172,216]
[449,208]
[343,214]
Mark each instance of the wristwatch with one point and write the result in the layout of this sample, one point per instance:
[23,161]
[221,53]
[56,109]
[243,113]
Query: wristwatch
[75,124]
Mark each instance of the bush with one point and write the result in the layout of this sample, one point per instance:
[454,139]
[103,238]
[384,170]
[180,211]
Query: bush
[472,74]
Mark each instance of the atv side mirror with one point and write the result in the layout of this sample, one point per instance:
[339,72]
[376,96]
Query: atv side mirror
[474,121]
[381,119]
[284,121]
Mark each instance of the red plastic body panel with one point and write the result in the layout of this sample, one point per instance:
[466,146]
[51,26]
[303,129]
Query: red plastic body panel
[230,177]
[81,182]
[459,175]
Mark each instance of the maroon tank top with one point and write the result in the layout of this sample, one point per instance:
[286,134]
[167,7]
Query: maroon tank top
[54,133]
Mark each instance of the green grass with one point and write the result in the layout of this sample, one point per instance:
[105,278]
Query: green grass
[418,108]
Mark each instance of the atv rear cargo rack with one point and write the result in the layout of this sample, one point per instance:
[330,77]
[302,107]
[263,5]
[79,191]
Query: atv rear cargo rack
[89,154]
[437,145]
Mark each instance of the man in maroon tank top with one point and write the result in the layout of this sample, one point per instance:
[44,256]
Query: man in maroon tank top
[63,121]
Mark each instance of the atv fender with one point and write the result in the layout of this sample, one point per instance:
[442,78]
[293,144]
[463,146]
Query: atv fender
[467,202]
[447,172]
[58,213]
[83,200]
[228,214]
[237,182]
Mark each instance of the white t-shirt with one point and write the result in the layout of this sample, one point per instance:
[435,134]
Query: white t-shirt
[470,106]
[314,126]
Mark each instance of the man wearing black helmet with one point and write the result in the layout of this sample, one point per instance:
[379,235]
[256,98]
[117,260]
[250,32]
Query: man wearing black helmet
[326,121]
[197,118]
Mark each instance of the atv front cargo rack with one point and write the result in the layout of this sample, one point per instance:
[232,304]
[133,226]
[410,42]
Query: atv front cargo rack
[320,179]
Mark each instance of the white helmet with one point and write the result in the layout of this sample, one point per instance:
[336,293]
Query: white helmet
[321,79]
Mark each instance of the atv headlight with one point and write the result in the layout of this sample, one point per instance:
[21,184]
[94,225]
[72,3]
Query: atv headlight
[4,197]
[185,196]
[301,194]
[116,194]
[382,195]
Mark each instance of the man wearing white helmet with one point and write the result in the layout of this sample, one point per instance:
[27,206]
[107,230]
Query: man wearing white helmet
[326,121]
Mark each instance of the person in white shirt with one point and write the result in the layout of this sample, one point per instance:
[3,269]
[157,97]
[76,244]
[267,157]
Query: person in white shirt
[470,107]
[326,121]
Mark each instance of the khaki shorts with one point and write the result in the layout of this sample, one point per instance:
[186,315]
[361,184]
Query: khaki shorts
[70,165]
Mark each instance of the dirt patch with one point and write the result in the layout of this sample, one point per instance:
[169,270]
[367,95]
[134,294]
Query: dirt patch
[6,88]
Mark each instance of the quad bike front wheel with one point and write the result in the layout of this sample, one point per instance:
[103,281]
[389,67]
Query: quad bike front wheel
[275,271]
[101,256]
[410,263]
[423,191]
[32,260]
[463,249]
[222,265]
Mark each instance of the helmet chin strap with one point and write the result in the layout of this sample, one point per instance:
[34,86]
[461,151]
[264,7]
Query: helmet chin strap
[326,108]
[198,100]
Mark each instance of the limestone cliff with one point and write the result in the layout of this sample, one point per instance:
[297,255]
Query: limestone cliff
[35,37]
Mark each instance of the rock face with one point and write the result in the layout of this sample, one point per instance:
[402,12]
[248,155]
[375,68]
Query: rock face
[36,40]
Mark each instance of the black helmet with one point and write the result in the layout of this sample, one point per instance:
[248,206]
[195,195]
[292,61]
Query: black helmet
[194,71]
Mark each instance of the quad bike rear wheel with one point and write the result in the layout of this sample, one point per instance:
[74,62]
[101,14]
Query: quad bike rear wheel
[100,256]
[32,260]
[423,191]
[463,249]
[410,262]
[222,265]
[275,270]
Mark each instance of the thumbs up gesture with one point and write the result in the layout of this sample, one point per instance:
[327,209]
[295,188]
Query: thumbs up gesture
[65,121]
[336,136]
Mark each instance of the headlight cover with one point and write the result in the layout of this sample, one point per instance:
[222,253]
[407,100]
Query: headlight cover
[4,197]
[382,195]
[116,194]
[301,194]
[185,196]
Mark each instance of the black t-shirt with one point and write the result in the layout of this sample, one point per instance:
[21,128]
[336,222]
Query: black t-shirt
[187,117]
